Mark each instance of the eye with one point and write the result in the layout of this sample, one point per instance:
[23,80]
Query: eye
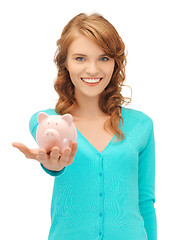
[56,123]
[104,59]
[80,59]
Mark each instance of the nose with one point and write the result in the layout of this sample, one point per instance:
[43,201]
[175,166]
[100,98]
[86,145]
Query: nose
[92,68]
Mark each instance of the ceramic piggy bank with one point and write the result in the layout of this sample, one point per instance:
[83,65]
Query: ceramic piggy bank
[55,130]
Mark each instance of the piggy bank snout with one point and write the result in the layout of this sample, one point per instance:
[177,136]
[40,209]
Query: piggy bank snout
[51,133]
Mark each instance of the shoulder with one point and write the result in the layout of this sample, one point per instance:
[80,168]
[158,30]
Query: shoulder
[137,123]
[136,116]
[133,113]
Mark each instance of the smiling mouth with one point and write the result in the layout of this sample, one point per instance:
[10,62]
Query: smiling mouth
[91,80]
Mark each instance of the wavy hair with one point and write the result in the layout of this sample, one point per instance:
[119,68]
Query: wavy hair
[102,32]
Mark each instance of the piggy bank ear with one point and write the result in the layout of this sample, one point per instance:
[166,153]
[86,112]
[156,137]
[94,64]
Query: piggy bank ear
[68,118]
[41,116]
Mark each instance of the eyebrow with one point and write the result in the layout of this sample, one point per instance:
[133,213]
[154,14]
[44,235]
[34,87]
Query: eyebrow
[80,54]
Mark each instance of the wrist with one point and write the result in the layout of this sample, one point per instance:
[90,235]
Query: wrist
[55,169]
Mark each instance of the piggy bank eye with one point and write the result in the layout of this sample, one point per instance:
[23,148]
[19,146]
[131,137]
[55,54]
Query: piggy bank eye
[48,123]
[56,123]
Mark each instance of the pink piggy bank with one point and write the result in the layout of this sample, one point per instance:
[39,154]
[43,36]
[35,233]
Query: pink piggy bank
[55,130]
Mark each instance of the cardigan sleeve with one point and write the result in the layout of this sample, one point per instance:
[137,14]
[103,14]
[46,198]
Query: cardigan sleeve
[146,183]
[33,124]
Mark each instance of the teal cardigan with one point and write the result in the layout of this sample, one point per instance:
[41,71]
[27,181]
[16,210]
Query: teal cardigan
[107,195]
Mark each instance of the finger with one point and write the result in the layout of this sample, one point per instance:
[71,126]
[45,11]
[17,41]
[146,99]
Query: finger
[74,149]
[42,156]
[18,145]
[55,154]
[73,152]
[24,149]
[65,156]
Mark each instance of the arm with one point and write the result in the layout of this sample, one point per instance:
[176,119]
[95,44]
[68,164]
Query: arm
[146,183]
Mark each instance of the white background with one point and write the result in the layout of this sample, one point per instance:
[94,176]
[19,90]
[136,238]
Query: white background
[29,31]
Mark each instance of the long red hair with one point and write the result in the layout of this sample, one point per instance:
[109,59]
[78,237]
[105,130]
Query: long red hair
[97,28]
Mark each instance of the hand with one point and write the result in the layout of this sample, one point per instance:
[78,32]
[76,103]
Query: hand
[53,160]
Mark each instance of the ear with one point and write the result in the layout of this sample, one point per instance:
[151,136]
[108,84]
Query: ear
[68,118]
[41,116]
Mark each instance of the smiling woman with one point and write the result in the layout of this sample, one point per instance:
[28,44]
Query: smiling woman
[91,62]
[88,68]
[104,185]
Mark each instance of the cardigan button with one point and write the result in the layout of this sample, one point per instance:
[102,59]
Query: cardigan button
[99,154]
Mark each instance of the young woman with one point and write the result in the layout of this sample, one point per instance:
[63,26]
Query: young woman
[105,182]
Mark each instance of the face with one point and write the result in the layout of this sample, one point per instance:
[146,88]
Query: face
[90,69]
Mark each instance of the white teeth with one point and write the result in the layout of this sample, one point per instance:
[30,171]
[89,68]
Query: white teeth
[95,80]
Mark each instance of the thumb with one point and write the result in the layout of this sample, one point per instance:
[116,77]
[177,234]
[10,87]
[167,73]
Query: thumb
[18,145]
[24,149]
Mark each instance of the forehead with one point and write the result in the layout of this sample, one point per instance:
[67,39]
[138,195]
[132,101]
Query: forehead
[84,45]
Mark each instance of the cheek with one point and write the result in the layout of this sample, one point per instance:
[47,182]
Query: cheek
[75,74]
[109,70]
[74,70]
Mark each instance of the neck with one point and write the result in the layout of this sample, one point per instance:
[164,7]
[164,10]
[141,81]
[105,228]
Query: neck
[88,108]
